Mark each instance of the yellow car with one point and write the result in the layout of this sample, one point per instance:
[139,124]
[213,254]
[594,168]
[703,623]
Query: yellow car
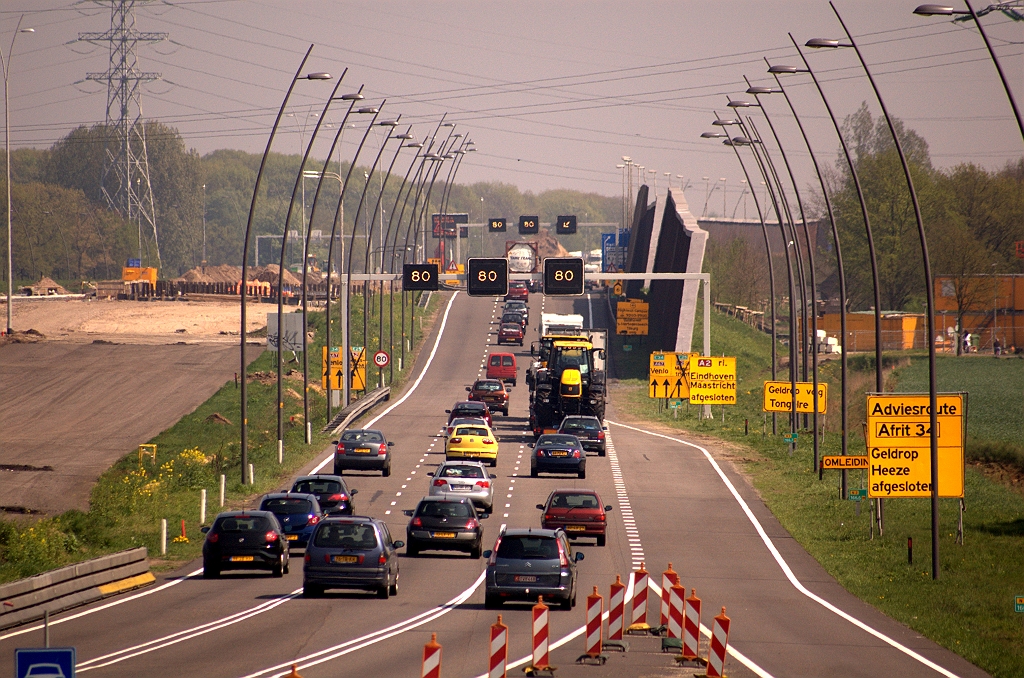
[472,441]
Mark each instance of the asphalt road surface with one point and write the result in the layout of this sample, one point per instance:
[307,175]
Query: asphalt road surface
[672,503]
[71,410]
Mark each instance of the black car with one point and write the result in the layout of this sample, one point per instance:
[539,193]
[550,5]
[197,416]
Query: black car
[558,453]
[297,513]
[331,492]
[445,523]
[589,430]
[517,307]
[529,563]
[517,317]
[351,552]
[362,450]
[245,540]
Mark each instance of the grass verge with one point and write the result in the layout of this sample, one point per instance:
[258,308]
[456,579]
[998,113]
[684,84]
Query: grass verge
[129,500]
[970,608]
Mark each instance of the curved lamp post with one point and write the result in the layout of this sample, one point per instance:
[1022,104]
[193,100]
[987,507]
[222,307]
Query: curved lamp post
[244,445]
[942,10]
[929,291]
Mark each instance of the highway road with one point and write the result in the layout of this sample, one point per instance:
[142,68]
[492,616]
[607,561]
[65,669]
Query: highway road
[673,502]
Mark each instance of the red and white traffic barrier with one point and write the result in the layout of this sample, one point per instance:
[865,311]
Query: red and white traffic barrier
[540,636]
[595,610]
[616,605]
[499,650]
[668,578]
[676,595]
[638,605]
[719,646]
[691,626]
[431,659]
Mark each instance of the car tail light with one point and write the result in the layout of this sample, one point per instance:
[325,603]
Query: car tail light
[313,520]
[327,557]
[338,497]
[213,537]
[483,483]
[602,517]
[270,536]
[563,560]
[440,482]
[472,524]
[416,522]
[600,435]
[456,441]
[383,449]
[382,559]
[487,441]
[307,557]
[576,454]
[493,560]
[540,453]
[548,516]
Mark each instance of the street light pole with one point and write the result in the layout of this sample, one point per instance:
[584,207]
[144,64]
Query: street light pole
[6,64]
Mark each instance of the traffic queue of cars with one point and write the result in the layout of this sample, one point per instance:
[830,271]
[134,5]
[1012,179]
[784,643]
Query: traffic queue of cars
[349,551]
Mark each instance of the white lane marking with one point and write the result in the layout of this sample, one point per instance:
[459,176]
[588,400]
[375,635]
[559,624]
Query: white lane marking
[119,601]
[412,389]
[784,566]
[181,636]
[349,646]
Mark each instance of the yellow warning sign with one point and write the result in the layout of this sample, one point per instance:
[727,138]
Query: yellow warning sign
[631,317]
[899,444]
[778,396]
[844,461]
[668,376]
[332,370]
[617,288]
[712,380]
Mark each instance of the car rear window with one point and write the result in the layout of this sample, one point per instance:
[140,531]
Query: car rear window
[487,386]
[357,536]
[470,431]
[588,501]
[528,548]
[462,472]
[444,509]
[555,439]
[580,425]
[469,411]
[243,524]
[317,487]
[362,437]
[287,506]
[511,327]
[510,318]
[495,360]
[507,361]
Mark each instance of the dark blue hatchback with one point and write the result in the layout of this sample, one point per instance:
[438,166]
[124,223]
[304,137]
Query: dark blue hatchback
[298,514]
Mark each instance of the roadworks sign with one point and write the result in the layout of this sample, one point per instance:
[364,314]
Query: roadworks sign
[899,444]
[332,371]
[843,461]
[631,317]
[778,396]
[668,375]
[712,380]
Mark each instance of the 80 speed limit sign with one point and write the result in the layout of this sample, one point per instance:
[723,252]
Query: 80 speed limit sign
[381,359]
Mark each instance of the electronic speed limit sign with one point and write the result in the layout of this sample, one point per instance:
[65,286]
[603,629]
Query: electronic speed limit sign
[421,277]
[381,359]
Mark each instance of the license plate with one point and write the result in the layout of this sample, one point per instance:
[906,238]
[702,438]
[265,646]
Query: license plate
[292,537]
[526,578]
[443,535]
[345,559]
[576,528]
[460,488]
[559,453]
[362,450]
[241,559]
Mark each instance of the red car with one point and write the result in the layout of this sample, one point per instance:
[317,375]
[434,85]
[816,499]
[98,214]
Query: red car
[492,392]
[517,290]
[510,333]
[578,512]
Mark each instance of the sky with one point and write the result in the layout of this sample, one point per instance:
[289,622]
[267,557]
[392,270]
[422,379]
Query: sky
[553,93]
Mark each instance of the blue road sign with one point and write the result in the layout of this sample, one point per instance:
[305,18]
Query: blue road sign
[51,662]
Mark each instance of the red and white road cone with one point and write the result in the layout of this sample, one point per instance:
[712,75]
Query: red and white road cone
[499,650]
[691,626]
[616,609]
[540,637]
[676,595]
[595,610]
[431,659]
[719,646]
[638,605]
[668,578]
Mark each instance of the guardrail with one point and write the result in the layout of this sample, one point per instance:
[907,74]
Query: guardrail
[28,599]
[353,411]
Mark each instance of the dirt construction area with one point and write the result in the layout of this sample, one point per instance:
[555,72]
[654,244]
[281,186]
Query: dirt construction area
[98,379]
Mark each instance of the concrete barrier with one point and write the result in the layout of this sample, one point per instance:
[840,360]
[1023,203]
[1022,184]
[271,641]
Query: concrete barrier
[28,599]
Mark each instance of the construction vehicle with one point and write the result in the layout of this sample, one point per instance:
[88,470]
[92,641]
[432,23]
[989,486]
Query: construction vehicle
[570,379]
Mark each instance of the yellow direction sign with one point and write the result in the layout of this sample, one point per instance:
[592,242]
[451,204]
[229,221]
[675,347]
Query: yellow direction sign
[778,396]
[668,375]
[846,461]
[712,380]
[899,444]
[332,370]
[357,368]
[631,317]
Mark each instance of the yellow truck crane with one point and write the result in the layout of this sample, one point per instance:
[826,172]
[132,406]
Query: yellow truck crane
[570,379]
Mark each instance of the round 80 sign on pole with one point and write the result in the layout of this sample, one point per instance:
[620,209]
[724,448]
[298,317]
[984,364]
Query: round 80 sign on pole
[381,359]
